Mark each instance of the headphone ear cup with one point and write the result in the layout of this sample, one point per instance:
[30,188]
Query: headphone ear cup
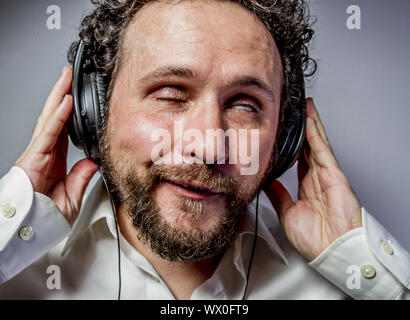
[89,113]
[101,92]
[293,142]
[95,113]
[85,117]
[74,123]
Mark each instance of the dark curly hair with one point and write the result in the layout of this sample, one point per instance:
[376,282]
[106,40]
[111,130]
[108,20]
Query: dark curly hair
[288,21]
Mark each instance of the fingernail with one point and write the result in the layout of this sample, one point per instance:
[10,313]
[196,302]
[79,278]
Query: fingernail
[61,76]
[64,72]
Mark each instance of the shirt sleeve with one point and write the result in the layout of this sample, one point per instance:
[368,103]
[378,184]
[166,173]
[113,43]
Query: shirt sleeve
[30,224]
[367,263]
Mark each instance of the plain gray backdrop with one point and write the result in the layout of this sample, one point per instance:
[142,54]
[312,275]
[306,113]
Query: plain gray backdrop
[361,89]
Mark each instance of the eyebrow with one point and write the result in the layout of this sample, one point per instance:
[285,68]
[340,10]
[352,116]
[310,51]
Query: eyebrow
[249,81]
[167,71]
[188,74]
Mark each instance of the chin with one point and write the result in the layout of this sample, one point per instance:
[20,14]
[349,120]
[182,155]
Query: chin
[189,213]
[206,219]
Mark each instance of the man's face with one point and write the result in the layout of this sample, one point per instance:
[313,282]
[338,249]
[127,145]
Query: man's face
[203,65]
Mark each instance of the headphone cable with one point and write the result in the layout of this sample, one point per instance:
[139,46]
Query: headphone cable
[255,236]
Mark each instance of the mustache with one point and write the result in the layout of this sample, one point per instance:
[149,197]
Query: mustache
[203,174]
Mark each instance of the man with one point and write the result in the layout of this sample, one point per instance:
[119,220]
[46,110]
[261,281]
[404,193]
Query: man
[185,229]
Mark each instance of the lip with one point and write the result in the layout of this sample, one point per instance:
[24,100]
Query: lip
[199,196]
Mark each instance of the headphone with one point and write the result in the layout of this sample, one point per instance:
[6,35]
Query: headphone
[89,90]
[86,119]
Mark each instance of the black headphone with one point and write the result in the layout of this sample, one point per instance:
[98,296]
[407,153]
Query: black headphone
[89,90]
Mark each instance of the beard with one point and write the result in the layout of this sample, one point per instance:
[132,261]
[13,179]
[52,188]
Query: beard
[170,240]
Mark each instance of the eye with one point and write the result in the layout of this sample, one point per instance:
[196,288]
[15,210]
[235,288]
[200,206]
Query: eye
[245,107]
[243,102]
[170,94]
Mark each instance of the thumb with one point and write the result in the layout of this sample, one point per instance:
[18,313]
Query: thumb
[78,179]
[280,198]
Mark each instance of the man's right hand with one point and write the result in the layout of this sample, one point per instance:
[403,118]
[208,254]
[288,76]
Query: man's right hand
[45,158]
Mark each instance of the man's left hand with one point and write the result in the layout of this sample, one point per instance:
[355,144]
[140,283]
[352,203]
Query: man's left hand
[326,207]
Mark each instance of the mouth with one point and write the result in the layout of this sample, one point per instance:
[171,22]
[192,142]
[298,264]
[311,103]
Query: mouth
[192,189]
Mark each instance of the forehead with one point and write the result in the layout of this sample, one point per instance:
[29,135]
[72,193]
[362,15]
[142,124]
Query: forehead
[214,37]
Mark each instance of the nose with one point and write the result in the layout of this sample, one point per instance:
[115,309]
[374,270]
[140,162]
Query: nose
[204,136]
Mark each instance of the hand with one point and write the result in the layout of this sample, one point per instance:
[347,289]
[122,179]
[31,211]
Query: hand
[327,207]
[45,159]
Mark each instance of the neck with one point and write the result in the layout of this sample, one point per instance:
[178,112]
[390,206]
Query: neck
[182,278]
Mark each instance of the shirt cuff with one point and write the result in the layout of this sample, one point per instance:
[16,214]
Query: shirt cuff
[16,198]
[366,263]
[41,228]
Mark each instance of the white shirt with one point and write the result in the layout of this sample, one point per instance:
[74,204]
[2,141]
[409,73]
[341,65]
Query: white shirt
[365,263]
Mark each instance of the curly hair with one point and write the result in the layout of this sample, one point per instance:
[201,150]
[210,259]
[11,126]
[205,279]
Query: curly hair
[288,21]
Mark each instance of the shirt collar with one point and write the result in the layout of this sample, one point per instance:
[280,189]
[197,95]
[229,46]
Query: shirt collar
[97,206]
[267,219]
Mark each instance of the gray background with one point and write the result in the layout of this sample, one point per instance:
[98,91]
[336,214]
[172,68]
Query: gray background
[361,91]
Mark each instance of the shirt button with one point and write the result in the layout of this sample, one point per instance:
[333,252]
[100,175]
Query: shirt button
[26,233]
[8,210]
[368,271]
[387,248]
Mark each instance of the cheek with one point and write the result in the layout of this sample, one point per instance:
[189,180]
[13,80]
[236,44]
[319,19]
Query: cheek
[266,144]
[132,135]
[267,138]
[253,152]
[261,158]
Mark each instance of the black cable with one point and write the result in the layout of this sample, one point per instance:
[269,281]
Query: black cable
[255,236]
[118,236]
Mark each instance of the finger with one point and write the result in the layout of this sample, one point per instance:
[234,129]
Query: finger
[303,168]
[320,150]
[47,138]
[62,143]
[312,112]
[280,199]
[78,179]
[61,88]
[307,154]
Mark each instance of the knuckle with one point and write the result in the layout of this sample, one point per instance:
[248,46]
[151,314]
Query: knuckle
[51,134]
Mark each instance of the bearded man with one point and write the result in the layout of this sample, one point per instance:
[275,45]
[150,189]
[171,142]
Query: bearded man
[190,230]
